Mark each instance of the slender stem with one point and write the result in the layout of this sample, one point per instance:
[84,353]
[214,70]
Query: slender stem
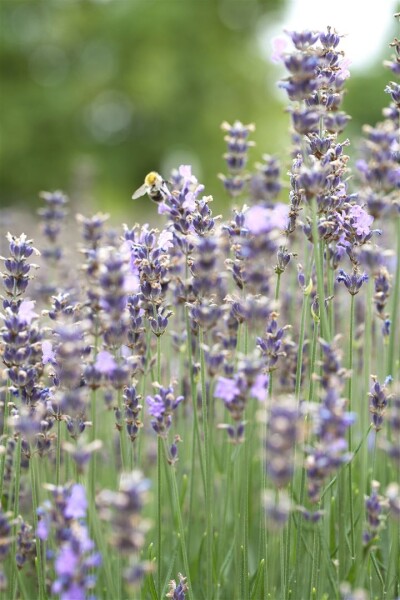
[245,517]
[208,454]
[313,359]
[303,471]
[159,516]
[58,450]
[4,436]
[93,410]
[16,513]
[278,285]
[395,310]
[301,346]
[193,388]
[318,257]
[39,564]
[350,398]
[159,484]
[178,513]
[122,434]
[159,359]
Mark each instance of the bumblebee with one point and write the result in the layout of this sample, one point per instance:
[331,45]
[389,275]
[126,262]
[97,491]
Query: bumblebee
[154,186]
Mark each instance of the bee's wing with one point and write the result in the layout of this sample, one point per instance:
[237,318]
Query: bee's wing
[140,192]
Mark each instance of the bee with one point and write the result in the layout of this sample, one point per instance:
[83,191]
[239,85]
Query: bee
[154,186]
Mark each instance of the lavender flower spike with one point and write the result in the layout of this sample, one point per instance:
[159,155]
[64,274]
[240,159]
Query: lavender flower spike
[352,282]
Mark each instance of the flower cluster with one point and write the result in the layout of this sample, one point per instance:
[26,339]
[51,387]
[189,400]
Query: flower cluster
[122,509]
[331,422]
[76,558]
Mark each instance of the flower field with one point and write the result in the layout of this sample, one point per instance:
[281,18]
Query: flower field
[211,409]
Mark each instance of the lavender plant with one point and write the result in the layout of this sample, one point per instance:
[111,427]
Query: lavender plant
[197,399]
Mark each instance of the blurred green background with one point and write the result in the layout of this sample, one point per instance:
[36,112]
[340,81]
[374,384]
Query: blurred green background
[94,94]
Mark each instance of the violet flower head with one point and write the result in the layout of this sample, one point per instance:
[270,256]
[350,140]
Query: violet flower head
[392,443]
[93,228]
[393,497]
[260,219]
[277,509]
[26,547]
[374,508]
[52,216]
[271,343]
[16,275]
[283,434]
[161,407]
[331,422]
[378,401]
[105,362]
[236,157]
[76,559]
[354,281]
[6,537]
[265,185]
[122,509]
[178,591]
[382,289]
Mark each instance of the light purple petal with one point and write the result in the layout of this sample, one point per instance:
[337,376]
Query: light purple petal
[226,389]
[48,354]
[165,240]
[66,561]
[26,312]
[105,362]
[260,387]
[279,45]
[74,592]
[77,503]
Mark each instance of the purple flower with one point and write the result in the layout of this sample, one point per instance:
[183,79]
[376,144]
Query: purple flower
[260,388]
[226,389]
[260,219]
[75,592]
[279,45]
[361,220]
[77,504]
[105,362]
[354,281]
[26,312]
[178,592]
[156,407]
[161,407]
[48,354]
[66,562]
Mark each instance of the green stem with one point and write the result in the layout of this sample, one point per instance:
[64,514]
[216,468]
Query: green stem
[3,439]
[122,434]
[58,451]
[395,311]
[93,410]
[38,562]
[193,389]
[313,359]
[159,516]
[350,441]
[208,456]
[159,359]
[178,513]
[245,517]
[318,256]
[278,285]
[300,347]
[16,513]
[303,471]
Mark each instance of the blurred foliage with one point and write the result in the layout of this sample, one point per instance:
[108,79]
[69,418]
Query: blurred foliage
[94,94]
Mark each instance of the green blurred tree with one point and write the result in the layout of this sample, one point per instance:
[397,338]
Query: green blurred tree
[100,93]
[96,93]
